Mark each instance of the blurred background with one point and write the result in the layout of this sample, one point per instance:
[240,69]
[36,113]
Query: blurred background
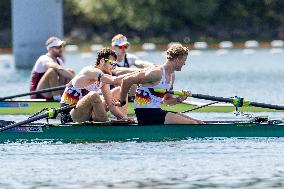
[162,21]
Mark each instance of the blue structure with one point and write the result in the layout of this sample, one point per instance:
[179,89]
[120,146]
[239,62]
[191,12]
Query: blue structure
[33,22]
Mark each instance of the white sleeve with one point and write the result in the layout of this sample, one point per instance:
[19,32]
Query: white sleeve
[40,64]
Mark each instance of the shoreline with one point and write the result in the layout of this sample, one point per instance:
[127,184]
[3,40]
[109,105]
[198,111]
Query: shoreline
[86,47]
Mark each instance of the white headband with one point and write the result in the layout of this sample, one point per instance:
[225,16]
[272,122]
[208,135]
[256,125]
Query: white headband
[120,42]
[55,43]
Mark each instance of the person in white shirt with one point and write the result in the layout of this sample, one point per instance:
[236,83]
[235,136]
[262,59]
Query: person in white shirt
[49,71]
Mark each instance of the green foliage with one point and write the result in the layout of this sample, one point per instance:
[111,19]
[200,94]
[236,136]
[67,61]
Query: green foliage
[5,14]
[199,19]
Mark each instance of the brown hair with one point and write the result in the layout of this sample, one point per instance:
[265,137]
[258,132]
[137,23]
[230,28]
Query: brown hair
[51,39]
[176,51]
[105,53]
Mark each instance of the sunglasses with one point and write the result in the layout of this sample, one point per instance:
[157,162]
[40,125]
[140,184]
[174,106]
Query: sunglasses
[122,46]
[58,47]
[111,62]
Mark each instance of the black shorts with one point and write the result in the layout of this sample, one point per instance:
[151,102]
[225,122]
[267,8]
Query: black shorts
[149,116]
[65,115]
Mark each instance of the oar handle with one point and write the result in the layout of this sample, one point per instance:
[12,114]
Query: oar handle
[34,92]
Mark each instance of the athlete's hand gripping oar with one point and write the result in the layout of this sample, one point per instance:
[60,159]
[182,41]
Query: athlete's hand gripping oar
[236,101]
[62,87]
[51,113]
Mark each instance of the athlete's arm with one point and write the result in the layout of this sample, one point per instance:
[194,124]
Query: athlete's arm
[124,70]
[116,80]
[170,100]
[142,64]
[108,99]
[60,69]
[145,77]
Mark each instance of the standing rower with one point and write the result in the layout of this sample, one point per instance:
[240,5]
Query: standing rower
[84,91]
[147,103]
[49,71]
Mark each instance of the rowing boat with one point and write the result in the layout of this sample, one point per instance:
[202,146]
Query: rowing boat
[124,131]
[26,107]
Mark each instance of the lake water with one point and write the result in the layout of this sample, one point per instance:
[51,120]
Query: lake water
[193,163]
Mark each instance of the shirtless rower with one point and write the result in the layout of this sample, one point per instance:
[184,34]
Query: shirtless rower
[147,103]
[83,90]
[49,71]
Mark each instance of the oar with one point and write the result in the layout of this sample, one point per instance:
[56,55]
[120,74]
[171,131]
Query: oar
[51,113]
[236,101]
[198,107]
[34,92]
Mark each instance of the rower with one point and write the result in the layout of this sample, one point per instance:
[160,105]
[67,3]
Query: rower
[127,62]
[147,102]
[49,71]
[84,91]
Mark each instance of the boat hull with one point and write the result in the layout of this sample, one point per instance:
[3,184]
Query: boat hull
[104,133]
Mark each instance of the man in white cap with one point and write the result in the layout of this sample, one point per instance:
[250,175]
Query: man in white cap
[49,71]
[125,60]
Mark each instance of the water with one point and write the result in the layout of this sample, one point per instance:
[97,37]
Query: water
[192,163]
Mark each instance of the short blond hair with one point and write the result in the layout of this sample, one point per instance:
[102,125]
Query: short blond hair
[118,36]
[176,51]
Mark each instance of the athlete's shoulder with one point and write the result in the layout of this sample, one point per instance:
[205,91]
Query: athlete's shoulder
[131,58]
[43,58]
[153,72]
[91,70]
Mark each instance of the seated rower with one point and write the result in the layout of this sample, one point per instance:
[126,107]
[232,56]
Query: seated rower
[147,103]
[49,71]
[83,90]
[126,62]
